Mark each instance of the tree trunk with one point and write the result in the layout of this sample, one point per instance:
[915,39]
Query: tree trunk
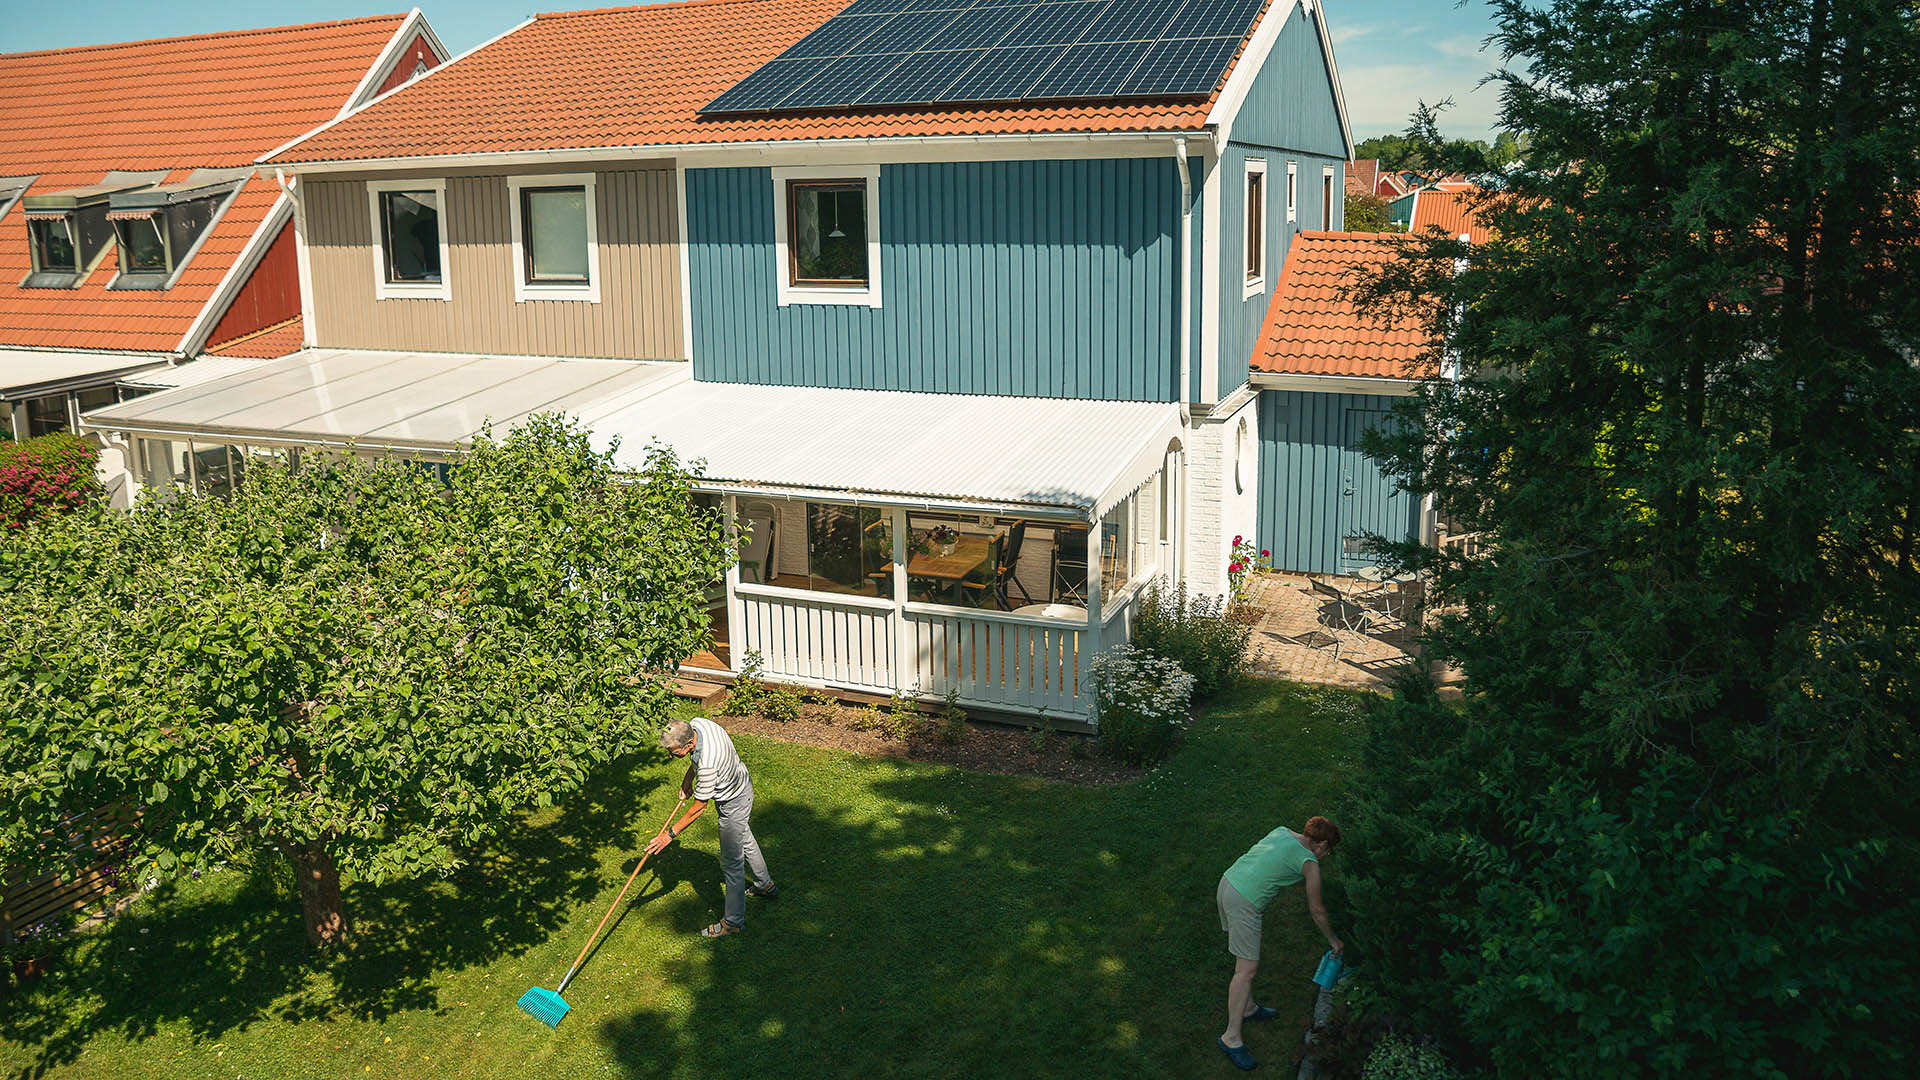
[320,908]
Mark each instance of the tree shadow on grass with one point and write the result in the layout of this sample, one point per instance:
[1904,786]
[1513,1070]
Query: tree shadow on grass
[220,963]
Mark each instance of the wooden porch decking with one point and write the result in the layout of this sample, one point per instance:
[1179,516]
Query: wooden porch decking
[719,655]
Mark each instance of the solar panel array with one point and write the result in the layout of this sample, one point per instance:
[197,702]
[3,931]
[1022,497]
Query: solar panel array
[923,52]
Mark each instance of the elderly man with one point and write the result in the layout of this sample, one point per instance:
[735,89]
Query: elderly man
[716,775]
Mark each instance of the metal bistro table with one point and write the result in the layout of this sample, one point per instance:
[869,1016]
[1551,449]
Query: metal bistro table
[1385,592]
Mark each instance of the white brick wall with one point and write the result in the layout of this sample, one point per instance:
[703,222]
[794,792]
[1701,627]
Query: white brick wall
[1218,508]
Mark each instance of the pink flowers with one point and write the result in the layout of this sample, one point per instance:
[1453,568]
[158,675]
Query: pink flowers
[51,473]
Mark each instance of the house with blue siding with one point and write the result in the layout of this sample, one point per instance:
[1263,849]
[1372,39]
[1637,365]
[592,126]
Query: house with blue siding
[956,302]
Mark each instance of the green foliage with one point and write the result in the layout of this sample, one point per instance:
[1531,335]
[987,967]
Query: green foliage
[346,658]
[953,720]
[1670,832]
[53,474]
[744,697]
[783,704]
[1042,734]
[870,718]
[1369,213]
[1206,636]
[1398,1058]
[903,718]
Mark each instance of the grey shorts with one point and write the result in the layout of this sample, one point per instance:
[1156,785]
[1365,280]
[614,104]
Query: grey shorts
[1240,919]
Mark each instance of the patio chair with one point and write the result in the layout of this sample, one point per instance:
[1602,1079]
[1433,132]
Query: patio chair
[756,555]
[1340,612]
[1006,565]
[1068,576]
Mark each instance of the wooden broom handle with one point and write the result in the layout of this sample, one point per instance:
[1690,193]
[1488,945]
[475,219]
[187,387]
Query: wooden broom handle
[631,878]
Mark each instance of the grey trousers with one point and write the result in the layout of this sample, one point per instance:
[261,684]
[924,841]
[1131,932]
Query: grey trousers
[739,852]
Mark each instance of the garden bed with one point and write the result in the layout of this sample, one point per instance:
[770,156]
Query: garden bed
[1058,755]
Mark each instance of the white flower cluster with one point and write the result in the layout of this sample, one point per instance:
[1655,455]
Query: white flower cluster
[1152,688]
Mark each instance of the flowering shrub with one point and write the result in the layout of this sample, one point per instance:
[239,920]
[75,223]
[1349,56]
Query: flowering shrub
[1243,562]
[1142,701]
[1206,635]
[50,474]
[42,937]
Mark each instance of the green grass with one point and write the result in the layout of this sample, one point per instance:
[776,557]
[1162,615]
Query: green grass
[932,922]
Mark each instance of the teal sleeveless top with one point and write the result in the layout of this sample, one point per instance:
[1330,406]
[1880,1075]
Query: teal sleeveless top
[1274,863]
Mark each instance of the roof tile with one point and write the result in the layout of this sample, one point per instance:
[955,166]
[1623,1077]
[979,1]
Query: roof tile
[637,76]
[1313,325]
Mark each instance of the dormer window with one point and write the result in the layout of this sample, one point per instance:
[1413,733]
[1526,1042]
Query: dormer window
[54,246]
[68,232]
[158,229]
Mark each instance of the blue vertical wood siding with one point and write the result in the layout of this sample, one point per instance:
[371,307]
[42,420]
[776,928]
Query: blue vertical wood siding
[1316,488]
[1031,278]
[1289,115]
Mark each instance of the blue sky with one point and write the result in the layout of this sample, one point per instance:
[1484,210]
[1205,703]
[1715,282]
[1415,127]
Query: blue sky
[1392,53]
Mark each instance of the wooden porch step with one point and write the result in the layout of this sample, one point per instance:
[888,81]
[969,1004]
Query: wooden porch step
[707,695]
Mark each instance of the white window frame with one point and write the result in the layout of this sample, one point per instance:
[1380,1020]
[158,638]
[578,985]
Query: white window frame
[1329,190]
[524,290]
[421,290]
[1255,284]
[1293,191]
[790,294]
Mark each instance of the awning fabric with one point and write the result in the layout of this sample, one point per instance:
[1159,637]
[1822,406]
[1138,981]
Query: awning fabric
[375,400]
[958,450]
[27,373]
[1072,458]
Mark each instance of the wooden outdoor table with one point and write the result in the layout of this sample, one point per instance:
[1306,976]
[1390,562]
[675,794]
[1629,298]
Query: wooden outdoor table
[969,552]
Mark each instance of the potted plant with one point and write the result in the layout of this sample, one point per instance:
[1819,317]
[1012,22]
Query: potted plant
[30,952]
[942,538]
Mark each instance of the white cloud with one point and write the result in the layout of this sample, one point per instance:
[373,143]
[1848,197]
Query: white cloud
[1380,98]
[1345,34]
[1460,47]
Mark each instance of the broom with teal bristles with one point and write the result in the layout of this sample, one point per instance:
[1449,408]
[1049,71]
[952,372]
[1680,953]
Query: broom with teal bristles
[547,1006]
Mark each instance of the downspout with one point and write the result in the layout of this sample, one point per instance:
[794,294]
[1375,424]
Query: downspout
[1185,276]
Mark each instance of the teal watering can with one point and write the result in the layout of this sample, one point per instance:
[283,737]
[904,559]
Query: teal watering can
[1329,971]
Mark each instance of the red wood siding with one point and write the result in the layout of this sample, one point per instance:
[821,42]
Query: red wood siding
[418,52]
[271,294]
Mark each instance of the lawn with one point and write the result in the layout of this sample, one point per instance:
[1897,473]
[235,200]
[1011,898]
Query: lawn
[932,922]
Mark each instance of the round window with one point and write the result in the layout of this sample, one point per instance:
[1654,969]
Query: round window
[1242,468]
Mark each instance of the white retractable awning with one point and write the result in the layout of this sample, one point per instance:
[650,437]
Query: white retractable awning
[1073,457]
[30,373]
[379,400]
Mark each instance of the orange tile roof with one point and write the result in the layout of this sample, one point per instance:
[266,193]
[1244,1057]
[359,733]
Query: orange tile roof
[274,341]
[1363,176]
[637,76]
[1448,205]
[1313,325]
[71,115]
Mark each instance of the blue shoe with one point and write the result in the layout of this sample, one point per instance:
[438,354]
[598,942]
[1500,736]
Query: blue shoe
[1262,1012]
[1241,1057]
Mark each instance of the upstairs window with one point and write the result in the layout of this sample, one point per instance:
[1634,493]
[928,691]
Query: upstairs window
[555,241]
[411,254]
[828,235]
[1256,238]
[1293,191]
[1326,198]
[55,247]
[158,229]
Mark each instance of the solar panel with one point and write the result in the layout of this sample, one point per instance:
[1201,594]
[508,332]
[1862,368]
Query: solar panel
[912,52]
[1180,66]
[1092,70]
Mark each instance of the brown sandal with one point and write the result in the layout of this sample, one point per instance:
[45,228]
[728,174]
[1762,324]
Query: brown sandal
[720,929]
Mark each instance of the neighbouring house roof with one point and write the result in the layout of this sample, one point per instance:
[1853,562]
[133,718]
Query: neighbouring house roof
[27,373]
[1448,206]
[1363,176]
[71,116]
[1314,325]
[1074,456]
[635,77]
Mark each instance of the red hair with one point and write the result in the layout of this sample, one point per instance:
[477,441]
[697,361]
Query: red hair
[1319,828]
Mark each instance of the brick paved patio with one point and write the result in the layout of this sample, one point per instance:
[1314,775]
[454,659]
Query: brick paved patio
[1298,628]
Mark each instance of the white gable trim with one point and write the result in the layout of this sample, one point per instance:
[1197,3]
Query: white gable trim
[236,276]
[1226,108]
[383,65]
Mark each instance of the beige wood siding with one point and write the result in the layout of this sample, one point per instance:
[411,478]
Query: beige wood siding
[638,316]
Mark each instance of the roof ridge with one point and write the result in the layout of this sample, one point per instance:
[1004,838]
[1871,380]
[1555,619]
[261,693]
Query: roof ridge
[663,5]
[68,50]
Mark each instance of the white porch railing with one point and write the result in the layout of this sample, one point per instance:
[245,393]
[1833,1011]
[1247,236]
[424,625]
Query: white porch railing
[1016,662]
[818,637]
